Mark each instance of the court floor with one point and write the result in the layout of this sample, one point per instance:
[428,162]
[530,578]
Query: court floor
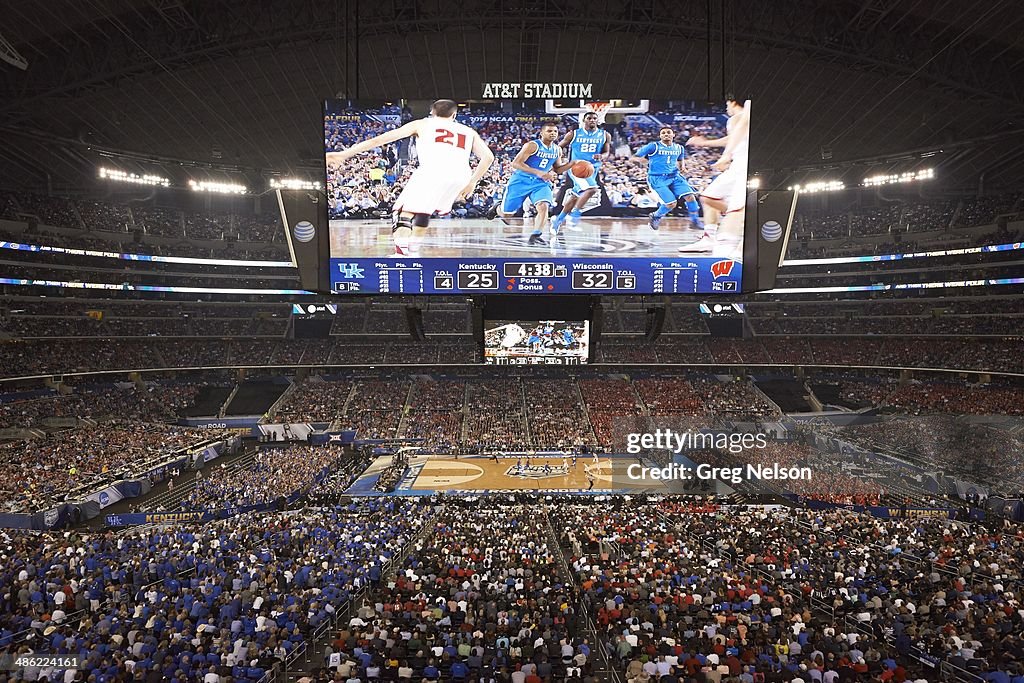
[595,237]
[439,473]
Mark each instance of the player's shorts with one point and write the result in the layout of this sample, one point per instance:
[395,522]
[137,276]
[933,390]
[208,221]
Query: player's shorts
[519,189]
[730,186]
[670,187]
[581,185]
[427,191]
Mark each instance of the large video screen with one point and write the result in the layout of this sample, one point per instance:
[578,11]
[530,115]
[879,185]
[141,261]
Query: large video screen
[536,196]
[545,342]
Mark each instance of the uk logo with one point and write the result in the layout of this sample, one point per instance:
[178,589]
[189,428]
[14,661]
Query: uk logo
[722,268]
[351,271]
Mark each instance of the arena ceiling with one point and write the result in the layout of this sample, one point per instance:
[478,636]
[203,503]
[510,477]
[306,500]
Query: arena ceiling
[239,82]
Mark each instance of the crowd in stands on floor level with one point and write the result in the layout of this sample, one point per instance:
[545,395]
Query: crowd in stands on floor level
[702,593]
[481,598]
[222,601]
[668,604]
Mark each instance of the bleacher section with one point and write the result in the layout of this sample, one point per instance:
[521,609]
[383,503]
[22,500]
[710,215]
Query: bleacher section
[255,397]
[790,395]
[208,401]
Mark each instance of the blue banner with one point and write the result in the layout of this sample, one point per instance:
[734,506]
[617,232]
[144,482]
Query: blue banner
[876,510]
[241,422]
[343,438]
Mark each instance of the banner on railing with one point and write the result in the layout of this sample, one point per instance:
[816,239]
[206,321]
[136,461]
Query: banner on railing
[877,510]
[137,518]
[343,437]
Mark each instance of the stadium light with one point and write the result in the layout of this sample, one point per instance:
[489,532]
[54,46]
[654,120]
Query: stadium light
[120,176]
[216,187]
[819,186]
[894,178]
[754,183]
[293,184]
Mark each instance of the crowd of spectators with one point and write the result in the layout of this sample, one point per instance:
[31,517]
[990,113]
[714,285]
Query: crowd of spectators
[37,472]
[274,473]
[734,400]
[435,414]
[226,600]
[555,414]
[483,597]
[919,398]
[950,445]
[496,416]
[801,596]
[814,223]
[314,401]
[153,403]
[677,588]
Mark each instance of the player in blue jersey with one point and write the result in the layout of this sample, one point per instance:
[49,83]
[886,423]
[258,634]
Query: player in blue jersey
[665,174]
[534,340]
[587,143]
[536,167]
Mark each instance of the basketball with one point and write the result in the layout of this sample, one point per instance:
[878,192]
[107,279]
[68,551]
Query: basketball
[582,169]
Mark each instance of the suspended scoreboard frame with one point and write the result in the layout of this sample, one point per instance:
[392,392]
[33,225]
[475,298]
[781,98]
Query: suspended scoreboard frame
[308,229]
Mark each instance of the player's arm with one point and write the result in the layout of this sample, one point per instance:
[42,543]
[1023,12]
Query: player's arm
[405,131]
[643,154]
[681,164]
[740,128]
[698,141]
[519,163]
[562,165]
[486,158]
[567,140]
[606,148]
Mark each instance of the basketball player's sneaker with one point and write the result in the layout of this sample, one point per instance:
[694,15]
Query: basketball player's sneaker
[556,224]
[654,221]
[705,245]
[536,240]
[574,220]
[492,212]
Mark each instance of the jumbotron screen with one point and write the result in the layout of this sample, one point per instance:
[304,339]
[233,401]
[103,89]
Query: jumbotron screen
[545,342]
[536,196]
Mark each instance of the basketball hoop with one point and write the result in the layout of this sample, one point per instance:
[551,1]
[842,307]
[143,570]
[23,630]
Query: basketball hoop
[602,109]
[599,108]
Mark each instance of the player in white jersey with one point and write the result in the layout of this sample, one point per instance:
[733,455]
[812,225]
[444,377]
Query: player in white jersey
[443,175]
[726,197]
[506,336]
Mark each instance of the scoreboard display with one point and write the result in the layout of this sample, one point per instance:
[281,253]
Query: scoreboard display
[526,197]
[543,342]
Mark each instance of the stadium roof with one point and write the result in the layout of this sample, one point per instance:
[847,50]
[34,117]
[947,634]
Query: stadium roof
[233,82]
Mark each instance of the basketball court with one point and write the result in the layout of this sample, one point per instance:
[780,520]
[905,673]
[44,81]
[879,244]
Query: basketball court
[595,237]
[427,474]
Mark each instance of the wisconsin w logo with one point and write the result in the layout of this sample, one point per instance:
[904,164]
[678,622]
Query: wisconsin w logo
[722,268]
